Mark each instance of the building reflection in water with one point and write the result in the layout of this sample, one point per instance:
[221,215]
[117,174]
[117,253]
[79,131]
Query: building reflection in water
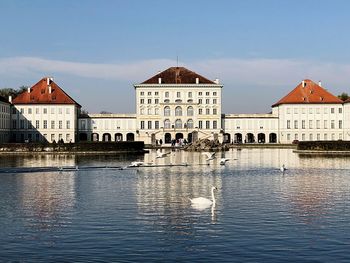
[163,195]
[47,199]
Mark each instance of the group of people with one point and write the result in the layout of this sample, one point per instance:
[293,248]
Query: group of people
[174,143]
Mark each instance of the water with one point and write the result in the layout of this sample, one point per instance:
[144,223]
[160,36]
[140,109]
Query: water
[261,215]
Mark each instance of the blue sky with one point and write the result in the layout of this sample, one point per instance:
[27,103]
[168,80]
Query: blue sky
[96,50]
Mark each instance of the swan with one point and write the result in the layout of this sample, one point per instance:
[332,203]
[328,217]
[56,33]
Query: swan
[210,156]
[136,164]
[202,203]
[283,168]
[223,161]
[162,155]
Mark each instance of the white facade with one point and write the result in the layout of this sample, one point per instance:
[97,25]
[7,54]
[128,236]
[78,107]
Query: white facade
[107,127]
[47,122]
[172,111]
[5,113]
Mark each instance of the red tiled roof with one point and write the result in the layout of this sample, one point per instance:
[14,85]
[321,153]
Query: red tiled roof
[310,93]
[178,75]
[40,94]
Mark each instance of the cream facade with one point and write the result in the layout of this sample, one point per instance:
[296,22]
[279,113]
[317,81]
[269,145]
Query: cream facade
[5,113]
[38,123]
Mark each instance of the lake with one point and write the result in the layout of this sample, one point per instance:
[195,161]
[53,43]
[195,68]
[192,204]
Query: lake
[145,214]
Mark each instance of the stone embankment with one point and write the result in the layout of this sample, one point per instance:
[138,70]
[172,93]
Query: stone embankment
[206,145]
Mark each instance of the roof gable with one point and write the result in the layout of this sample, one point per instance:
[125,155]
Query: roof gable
[178,75]
[308,92]
[46,91]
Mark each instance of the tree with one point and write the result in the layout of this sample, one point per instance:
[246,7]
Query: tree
[344,96]
[6,92]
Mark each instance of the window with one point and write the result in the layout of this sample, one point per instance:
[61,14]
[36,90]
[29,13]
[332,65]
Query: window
[310,137]
[156,111]
[214,101]
[207,124]
[30,111]
[200,111]
[142,101]
[52,137]
[340,136]
[190,124]
[68,137]
[325,110]
[340,110]
[318,136]
[333,136]
[190,111]
[156,101]
[207,93]
[167,94]
[156,93]
[142,93]
[167,111]
[45,110]
[167,124]
[178,124]
[190,94]
[149,125]
[53,124]
[317,110]
[318,124]
[60,136]
[207,101]
[207,111]
[325,124]
[310,110]
[295,110]
[149,111]
[332,124]
[325,137]
[214,93]
[340,124]
[200,93]
[60,124]
[178,94]
[68,125]
[303,137]
[200,101]
[310,124]
[149,93]
[142,125]
[332,110]
[200,124]
[215,111]
[215,124]
[37,126]
[52,110]
[156,125]
[288,110]
[288,124]
[45,124]
[22,110]
[178,111]
[295,124]
[296,136]
[59,110]
[142,111]
[149,101]
[288,137]
[303,124]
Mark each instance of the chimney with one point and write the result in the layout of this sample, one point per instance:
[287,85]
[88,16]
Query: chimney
[159,80]
[197,80]
[319,83]
[28,89]
[303,84]
[50,89]
[216,81]
[47,81]
[10,99]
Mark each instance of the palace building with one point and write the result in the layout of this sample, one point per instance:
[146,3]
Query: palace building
[174,104]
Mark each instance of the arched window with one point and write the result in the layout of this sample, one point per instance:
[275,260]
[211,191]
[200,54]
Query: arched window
[190,101]
[178,101]
[166,101]
[190,124]
[167,111]
[167,124]
[178,124]
[178,111]
[190,111]
[149,111]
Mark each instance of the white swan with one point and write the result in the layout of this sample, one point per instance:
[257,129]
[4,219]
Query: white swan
[202,203]
[210,156]
[161,155]
[223,161]
[283,168]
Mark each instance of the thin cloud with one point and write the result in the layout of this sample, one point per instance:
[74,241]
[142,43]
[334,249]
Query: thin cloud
[260,72]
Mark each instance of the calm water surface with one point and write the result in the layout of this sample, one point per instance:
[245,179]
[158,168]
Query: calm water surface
[145,215]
